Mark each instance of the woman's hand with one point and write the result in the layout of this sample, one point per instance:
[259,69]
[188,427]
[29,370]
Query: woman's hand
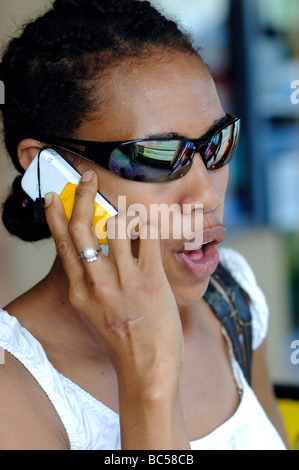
[130,310]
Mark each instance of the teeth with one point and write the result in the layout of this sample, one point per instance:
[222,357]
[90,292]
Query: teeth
[196,248]
[193,247]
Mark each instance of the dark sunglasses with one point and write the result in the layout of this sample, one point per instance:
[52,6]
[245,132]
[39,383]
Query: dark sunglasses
[156,160]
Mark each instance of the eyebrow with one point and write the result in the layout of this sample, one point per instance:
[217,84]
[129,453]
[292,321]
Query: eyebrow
[174,135]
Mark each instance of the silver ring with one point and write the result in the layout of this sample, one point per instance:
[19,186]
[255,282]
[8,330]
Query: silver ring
[89,254]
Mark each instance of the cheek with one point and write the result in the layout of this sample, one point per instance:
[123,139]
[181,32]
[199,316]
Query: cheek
[220,179]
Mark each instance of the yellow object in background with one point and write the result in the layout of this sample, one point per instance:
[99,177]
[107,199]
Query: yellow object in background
[289,410]
[288,403]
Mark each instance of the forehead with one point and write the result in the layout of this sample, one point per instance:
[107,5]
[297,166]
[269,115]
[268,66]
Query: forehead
[163,93]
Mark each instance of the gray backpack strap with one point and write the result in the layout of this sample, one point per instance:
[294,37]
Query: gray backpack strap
[229,303]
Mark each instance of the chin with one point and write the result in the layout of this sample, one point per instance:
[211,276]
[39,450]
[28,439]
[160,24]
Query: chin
[191,294]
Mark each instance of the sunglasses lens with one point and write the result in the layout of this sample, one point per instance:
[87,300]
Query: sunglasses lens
[152,161]
[220,150]
[155,161]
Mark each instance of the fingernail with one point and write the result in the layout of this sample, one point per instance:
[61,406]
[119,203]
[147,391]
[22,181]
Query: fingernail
[87,176]
[48,199]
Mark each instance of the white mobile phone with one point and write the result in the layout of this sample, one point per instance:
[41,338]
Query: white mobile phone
[56,175]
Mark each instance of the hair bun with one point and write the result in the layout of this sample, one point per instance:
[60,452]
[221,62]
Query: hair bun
[98,6]
[19,216]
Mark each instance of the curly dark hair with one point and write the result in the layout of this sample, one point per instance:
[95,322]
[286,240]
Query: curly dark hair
[48,73]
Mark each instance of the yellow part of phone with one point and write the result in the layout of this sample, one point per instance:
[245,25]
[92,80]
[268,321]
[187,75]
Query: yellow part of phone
[100,216]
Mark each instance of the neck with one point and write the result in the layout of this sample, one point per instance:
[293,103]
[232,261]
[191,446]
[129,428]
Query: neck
[57,281]
[56,288]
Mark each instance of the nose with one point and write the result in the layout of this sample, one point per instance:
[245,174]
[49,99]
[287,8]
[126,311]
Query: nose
[202,186]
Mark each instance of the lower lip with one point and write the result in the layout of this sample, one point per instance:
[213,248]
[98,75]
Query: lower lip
[200,263]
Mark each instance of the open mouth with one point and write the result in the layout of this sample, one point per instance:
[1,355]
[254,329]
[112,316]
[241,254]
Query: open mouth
[198,253]
[202,261]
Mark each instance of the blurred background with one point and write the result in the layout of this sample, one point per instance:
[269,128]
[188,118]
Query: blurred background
[252,50]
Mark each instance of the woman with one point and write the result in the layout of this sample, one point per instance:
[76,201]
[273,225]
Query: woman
[124,351]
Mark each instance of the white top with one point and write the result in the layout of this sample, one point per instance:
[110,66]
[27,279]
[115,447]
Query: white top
[91,425]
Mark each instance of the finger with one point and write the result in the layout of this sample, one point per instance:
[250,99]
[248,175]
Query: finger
[150,246]
[80,227]
[119,240]
[58,225]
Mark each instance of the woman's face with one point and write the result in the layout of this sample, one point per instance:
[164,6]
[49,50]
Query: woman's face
[166,93]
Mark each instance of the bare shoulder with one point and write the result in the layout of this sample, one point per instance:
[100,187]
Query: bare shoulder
[263,388]
[28,420]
